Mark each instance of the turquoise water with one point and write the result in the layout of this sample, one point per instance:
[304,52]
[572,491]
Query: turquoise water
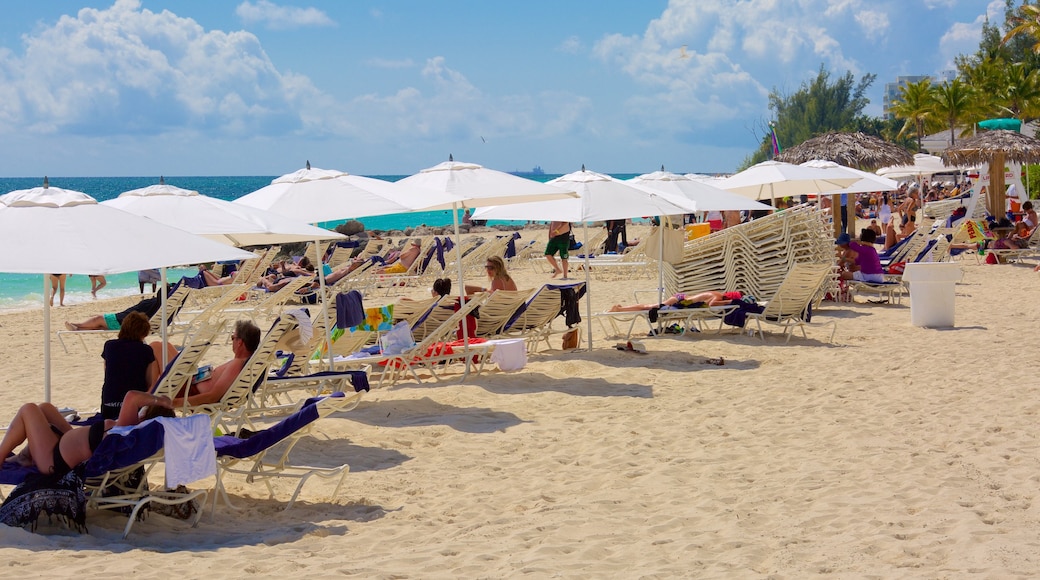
[21,291]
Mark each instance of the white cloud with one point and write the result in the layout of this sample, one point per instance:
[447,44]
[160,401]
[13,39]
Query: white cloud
[570,45]
[737,49]
[873,23]
[281,17]
[964,37]
[124,70]
[934,4]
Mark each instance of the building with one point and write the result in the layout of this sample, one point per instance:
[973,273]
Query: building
[892,89]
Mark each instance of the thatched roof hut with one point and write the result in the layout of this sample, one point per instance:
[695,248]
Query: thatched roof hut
[994,148]
[857,150]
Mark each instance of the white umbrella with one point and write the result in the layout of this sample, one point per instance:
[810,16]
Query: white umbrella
[868,182]
[601,198]
[924,165]
[57,230]
[773,179]
[216,219]
[703,191]
[313,195]
[477,186]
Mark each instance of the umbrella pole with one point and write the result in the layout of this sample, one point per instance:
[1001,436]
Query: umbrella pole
[47,338]
[588,296]
[462,285]
[162,325]
[324,299]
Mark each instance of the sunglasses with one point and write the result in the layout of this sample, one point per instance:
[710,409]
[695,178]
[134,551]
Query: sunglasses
[489,267]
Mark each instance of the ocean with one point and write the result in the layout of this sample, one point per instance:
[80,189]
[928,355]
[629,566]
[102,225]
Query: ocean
[24,291]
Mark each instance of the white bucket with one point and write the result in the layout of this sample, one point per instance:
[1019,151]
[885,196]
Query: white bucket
[932,293]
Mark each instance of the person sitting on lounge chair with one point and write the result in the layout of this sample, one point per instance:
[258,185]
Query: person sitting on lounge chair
[859,260]
[130,364]
[497,274]
[112,321]
[708,298]
[286,273]
[404,262]
[244,341]
[55,447]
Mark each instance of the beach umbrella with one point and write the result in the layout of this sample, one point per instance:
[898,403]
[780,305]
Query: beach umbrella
[923,165]
[216,219]
[600,197]
[476,186]
[702,191]
[314,195]
[851,149]
[995,148]
[58,230]
[868,182]
[773,179]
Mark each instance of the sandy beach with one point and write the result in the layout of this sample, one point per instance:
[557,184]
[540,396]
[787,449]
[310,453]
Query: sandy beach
[897,451]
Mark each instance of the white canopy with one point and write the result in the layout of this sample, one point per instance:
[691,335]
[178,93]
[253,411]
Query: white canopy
[703,192]
[773,179]
[601,197]
[868,182]
[924,165]
[216,219]
[476,186]
[314,195]
[50,230]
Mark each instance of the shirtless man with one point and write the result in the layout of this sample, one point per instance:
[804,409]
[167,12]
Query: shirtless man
[244,341]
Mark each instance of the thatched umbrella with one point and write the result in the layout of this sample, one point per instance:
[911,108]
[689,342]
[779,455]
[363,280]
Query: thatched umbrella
[996,148]
[857,150]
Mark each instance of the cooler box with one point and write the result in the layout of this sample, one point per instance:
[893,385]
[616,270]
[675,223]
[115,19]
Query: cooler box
[932,292]
[694,231]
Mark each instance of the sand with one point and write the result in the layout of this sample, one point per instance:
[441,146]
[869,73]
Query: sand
[897,451]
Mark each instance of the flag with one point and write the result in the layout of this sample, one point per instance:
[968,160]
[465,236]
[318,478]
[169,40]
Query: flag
[775,140]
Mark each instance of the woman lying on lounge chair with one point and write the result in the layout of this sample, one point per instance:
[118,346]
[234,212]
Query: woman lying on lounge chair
[113,321]
[55,447]
[708,298]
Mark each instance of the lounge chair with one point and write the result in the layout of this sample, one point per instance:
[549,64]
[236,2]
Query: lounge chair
[533,322]
[500,307]
[249,457]
[174,304]
[116,477]
[790,307]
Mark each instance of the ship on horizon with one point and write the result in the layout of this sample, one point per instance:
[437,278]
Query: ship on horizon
[536,170]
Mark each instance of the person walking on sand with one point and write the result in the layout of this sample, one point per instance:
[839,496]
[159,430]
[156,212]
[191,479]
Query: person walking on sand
[58,283]
[97,283]
[559,241]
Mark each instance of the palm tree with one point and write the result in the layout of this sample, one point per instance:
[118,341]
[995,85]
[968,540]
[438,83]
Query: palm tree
[1020,94]
[1028,24]
[916,107]
[955,103]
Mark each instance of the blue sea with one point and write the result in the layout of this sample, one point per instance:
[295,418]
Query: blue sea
[23,291]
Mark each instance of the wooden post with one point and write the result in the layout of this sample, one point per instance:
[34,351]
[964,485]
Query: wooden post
[995,198]
[836,214]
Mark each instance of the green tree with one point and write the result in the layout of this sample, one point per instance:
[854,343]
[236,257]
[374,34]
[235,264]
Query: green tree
[818,106]
[956,104]
[1025,27]
[916,107]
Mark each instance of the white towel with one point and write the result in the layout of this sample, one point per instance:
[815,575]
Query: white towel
[306,326]
[189,452]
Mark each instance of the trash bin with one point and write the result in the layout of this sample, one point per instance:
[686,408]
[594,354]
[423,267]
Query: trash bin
[932,292]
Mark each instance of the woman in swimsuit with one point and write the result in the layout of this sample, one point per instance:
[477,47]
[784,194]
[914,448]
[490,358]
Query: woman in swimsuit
[55,447]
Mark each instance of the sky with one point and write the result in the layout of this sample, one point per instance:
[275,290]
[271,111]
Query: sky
[382,87]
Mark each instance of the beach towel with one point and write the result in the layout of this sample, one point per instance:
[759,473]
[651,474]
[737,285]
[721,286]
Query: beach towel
[39,494]
[738,316]
[349,309]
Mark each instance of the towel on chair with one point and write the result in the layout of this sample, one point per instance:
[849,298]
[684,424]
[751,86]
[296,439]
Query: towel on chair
[349,309]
